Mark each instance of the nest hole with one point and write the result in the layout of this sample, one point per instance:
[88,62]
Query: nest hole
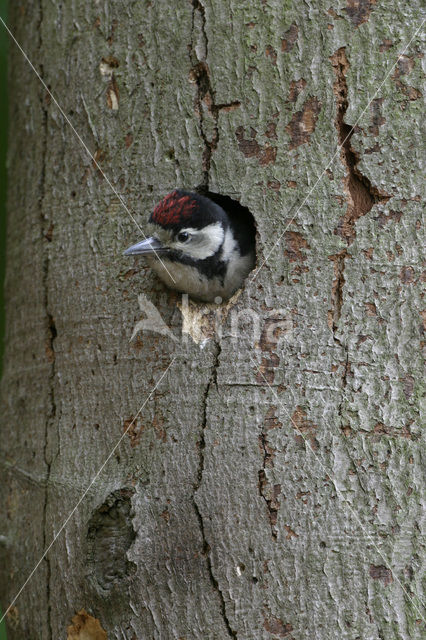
[243,220]
[241,216]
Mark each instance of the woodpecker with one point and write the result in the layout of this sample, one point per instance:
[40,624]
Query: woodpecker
[197,247]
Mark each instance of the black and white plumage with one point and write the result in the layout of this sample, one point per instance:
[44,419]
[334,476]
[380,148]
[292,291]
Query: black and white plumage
[198,247]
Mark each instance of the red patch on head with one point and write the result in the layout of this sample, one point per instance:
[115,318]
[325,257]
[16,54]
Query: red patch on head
[173,209]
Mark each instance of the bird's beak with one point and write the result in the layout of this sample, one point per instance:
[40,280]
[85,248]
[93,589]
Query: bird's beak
[146,247]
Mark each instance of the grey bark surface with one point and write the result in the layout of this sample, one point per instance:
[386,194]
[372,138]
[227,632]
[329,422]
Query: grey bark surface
[263,489]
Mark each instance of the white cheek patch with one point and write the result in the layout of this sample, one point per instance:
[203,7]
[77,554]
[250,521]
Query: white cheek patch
[229,245]
[203,243]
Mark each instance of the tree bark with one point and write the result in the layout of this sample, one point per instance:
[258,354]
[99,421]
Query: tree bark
[266,486]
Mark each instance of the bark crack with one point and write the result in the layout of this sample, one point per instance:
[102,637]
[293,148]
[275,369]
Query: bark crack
[50,338]
[206,107]
[50,331]
[267,492]
[202,445]
[335,312]
[345,373]
[361,194]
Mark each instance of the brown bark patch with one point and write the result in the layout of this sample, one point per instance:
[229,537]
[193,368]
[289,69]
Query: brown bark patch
[49,343]
[276,626]
[392,216]
[386,45]
[406,275]
[381,429]
[271,54]
[404,66]
[303,123]
[250,147]
[295,243]
[50,354]
[290,37]
[275,185]
[371,309]
[303,496]
[301,422]
[296,88]
[338,283]
[377,120]
[85,627]
[271,420]
[129,274]
[49,233]
[273,328]
[270,494]
[305,427]
[374,149]
[111,62]
[158,424]
[266,373]
[268,155]
[131,429]
[381,573]
[98,159]
[290,532]
[359,11]
[361,195]
[114,25]
[271,131]
[408,387]
[12,617]
[268,452]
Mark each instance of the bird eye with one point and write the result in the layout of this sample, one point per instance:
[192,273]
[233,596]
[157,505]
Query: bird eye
[183,236]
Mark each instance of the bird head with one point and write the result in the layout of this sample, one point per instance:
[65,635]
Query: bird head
[183,225]
[197,247]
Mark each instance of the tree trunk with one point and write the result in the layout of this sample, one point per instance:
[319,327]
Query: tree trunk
[267,482]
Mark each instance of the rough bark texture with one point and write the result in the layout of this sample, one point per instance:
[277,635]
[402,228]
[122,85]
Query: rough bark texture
[264,490]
